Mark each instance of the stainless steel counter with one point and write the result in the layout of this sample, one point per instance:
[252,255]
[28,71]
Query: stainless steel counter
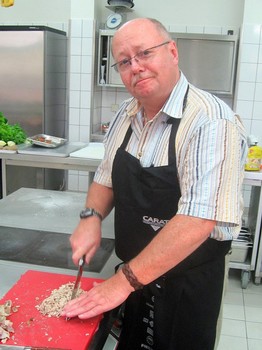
[85,161]
[46,210]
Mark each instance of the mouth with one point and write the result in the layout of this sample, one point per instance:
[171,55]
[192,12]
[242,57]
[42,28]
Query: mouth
[141,80]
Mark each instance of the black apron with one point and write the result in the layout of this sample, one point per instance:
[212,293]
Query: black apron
[179,310]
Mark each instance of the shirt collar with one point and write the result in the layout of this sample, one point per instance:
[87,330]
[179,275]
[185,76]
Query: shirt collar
[173,105]
[133,107]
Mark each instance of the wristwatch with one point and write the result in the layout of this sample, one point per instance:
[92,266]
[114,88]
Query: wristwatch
[85,213]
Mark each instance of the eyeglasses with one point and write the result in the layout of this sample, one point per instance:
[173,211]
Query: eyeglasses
[141,57]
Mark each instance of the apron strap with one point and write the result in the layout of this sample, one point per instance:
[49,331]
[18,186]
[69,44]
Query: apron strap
[126,138]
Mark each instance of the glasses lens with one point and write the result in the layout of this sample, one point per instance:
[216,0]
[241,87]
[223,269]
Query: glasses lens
[115,66]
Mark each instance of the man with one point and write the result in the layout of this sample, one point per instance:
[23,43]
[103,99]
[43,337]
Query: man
[173,170]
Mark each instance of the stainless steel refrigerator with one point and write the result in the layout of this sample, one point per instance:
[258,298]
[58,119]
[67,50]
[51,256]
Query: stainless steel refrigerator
[33,67]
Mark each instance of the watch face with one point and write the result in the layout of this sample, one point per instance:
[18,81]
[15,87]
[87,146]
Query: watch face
[86,213]
[113,20]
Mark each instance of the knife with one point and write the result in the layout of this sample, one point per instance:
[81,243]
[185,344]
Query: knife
[78,279]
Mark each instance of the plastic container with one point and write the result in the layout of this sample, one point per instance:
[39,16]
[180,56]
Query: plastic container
[254,156]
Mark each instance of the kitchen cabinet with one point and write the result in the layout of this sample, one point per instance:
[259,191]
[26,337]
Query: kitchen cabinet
[106,75]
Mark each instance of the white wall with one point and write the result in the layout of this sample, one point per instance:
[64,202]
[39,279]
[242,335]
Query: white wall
[36,11]
[253,11]
[249,84]
[200,12]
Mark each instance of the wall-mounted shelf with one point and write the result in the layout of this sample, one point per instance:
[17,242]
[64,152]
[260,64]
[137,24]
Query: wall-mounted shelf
[106,76]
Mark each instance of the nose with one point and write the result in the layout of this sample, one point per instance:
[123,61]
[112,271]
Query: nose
[136,65]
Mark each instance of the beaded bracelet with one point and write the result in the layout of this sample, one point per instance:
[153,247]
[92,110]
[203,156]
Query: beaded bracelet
[133,281]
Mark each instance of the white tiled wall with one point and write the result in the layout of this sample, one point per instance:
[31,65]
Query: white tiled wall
[81,50]
[249,84]
[80,90]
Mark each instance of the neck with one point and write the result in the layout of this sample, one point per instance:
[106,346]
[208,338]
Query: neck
[149,113]
[152,106]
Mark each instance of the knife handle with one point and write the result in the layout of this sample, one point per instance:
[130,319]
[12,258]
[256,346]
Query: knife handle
[82,260]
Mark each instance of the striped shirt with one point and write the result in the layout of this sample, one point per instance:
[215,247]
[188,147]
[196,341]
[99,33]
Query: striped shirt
[210,153]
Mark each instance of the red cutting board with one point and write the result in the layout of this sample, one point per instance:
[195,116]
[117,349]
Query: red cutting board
[32,328]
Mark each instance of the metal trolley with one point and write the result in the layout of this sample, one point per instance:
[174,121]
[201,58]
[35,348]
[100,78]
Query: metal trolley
[245,257]
[258,271]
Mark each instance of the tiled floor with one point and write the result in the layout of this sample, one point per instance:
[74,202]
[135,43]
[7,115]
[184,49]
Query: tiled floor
[242,315]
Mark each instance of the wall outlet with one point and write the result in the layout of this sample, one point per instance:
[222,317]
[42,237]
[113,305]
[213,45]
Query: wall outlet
[114,107]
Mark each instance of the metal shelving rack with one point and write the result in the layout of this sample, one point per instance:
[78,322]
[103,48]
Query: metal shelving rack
[254,179]
[258,270]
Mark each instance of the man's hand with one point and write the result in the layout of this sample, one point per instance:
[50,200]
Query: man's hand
[102,297]
[86,239]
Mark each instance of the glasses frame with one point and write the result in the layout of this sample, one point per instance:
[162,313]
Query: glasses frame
[129,60]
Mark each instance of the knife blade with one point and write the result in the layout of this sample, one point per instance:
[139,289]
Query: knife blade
[78,279]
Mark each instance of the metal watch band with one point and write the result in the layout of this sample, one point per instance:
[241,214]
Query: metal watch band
[87,212]
[96,213]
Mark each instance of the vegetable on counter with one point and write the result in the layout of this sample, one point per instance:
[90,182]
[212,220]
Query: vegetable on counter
[10,135]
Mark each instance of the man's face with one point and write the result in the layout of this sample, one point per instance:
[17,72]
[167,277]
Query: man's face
[152,72]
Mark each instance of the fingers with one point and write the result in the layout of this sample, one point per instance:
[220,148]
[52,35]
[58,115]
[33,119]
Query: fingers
[102,297]
[84,307]
[77,255]
[85,241]
[95,311]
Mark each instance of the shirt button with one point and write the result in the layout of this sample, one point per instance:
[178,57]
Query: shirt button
[139,154]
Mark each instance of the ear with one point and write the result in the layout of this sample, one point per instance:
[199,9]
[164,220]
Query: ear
[174,51]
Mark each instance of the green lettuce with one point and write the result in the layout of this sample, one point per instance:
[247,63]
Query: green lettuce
[11,132]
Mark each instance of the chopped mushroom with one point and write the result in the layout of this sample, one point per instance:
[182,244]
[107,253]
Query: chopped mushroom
[6,326]
[53,305]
